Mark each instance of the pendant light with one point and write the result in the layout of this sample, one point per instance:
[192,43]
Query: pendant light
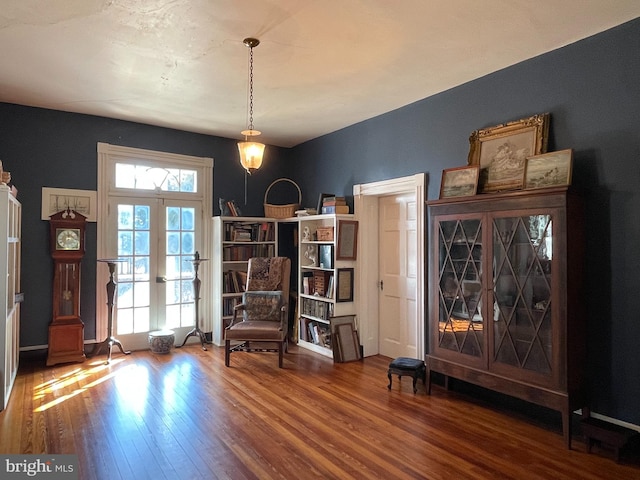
[251,152]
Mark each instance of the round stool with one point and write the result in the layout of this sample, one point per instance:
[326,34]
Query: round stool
[161,341]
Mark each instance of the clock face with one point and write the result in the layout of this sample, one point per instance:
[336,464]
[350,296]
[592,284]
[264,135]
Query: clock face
[68,239]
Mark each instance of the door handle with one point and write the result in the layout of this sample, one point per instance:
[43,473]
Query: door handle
[161,279]
[381,284]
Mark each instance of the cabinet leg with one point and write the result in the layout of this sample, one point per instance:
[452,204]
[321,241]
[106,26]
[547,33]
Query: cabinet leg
[566,427]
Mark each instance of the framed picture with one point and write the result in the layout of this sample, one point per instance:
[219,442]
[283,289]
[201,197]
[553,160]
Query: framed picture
[334,323]
[459,182]
[347,240]
[344,285]
[551,169]
[501,151]
[55,200]
[347,343]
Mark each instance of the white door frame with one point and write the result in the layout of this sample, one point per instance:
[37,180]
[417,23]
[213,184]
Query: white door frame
[367,282]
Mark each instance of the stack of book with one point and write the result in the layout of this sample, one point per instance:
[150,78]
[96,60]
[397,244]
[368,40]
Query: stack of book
[335,205]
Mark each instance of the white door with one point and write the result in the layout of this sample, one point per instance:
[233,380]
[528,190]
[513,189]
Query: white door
[398,326]
[155,239]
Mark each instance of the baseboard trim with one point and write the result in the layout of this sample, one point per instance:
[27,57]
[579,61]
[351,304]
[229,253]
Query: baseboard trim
[615,421]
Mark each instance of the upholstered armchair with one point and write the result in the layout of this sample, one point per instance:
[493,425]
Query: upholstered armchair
[260,322]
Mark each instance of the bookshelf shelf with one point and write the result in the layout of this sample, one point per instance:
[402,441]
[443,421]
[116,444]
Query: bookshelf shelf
[317,274]
[235,241]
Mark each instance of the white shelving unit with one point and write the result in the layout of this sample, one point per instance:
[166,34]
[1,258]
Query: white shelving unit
[235,240]
[10,294]
[326,285]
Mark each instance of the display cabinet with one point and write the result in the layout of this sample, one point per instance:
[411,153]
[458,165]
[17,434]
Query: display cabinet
[10,293]
[326,277]
[506,298]
[235,241]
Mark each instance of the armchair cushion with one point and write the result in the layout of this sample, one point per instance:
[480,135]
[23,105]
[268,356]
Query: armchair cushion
[263,317]
[262,306]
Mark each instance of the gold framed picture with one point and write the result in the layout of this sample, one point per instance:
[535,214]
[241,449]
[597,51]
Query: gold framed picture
[551,169]
[459,181]
[501,151]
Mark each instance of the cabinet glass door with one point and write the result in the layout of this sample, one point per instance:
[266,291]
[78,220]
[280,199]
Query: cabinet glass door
[460,323]
[522,260]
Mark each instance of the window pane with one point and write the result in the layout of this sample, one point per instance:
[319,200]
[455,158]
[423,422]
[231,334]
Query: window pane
[173,218]
[142,217]
[173,267]
[125,295]
[173,316]
[173,243]
[125,176]
[142,269]
[142,243]
[188,181]
[141,294]
[173,292]
[125,243]
[142,319]
[125,217]
[173,180]
[187,243]
[187,219]
[125,321]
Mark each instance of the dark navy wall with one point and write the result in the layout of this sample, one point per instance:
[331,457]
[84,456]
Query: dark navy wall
[592,90]
[57,149]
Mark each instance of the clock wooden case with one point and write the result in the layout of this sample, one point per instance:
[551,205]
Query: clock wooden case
[66,331]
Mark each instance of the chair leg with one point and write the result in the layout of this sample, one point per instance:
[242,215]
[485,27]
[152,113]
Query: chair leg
[227,352]
[280,351]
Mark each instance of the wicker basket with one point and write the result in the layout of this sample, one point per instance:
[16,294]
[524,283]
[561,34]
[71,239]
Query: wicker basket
[281,211]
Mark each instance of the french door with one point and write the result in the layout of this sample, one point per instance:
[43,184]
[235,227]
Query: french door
[155,214]
[156,239]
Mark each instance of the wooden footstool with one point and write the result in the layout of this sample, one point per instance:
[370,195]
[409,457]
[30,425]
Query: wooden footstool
[407,366]
[610,434]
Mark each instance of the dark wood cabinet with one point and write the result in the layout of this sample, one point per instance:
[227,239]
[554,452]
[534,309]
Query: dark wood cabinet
[505,296]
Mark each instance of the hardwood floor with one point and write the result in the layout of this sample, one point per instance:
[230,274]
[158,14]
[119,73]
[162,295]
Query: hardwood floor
[186,416]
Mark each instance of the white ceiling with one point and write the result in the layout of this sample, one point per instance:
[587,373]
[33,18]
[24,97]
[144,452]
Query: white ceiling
[321,65]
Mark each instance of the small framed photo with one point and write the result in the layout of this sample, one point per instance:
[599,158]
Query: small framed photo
[501,151]
[347,240]
[459,182]
[551,169]
[344,285]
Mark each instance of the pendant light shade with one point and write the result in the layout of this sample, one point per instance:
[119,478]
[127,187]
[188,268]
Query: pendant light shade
[251,152]
[251,155]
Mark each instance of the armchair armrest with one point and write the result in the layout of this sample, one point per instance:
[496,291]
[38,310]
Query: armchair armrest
[238,308]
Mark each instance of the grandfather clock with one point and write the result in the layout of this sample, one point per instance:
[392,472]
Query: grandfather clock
[66,331]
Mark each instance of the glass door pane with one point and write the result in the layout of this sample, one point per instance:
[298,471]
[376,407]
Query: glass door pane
[180,231]
[522,259]
[134,290]
[461,326]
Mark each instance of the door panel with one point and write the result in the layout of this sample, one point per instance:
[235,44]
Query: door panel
[398,334]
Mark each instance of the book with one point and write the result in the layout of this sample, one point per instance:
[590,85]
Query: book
[332,201]
[336,209]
